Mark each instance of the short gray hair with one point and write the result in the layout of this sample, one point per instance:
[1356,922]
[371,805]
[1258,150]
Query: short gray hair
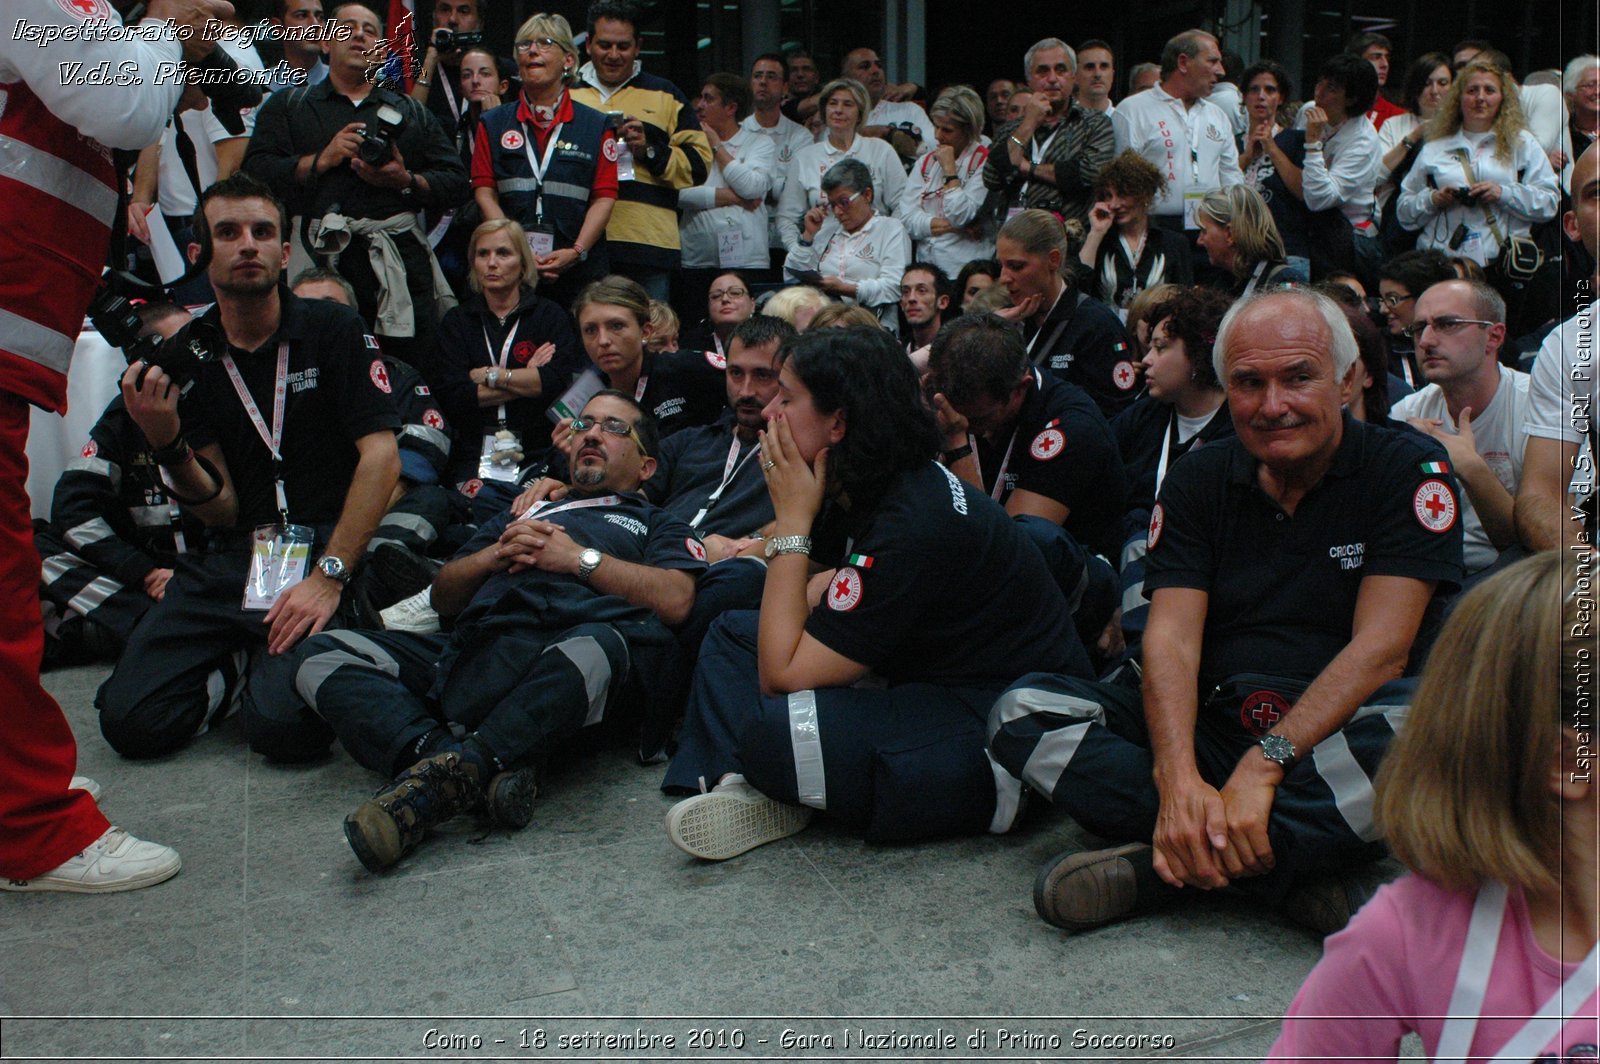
[1045,45]
[1575,71]
[1344,350]
[852,174]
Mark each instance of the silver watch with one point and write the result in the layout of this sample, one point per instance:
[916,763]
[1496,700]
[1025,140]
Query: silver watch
[588,562]
[788,545]
[1277,748]
[334,569]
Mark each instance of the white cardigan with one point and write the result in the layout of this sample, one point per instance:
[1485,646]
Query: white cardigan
[925,198]
[1535,198]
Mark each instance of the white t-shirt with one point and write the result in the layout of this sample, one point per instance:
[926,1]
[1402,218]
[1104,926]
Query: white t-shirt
[904,113]
[1500,431]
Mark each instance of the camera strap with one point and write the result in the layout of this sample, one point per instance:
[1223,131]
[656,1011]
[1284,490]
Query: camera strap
[273,438]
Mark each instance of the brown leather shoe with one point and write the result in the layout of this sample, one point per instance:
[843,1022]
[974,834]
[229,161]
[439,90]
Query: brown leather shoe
[1083,889]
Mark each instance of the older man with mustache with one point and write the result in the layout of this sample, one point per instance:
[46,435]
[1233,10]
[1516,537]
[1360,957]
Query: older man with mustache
[1290,571]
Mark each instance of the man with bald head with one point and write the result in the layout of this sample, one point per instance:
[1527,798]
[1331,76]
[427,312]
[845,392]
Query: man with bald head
[1290,570]
[1561,396]
[893,118]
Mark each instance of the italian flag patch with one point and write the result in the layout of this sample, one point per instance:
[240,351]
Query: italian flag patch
[860,561]
[1436,467]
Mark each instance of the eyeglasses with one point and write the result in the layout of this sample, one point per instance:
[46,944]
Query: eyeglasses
[614,425]
[844,204]
[544,44]
[727,293]
[1391,300]
[1444,326]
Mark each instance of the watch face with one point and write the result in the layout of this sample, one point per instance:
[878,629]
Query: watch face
[1277,748]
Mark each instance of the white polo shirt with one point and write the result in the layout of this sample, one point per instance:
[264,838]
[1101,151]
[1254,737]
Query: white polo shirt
[1192,146]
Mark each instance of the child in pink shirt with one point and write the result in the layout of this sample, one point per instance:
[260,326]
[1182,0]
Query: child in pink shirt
[1488,951]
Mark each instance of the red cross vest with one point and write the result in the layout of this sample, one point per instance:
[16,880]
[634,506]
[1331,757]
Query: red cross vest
[57,200]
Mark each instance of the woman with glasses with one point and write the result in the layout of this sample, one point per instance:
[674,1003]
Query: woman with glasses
[879,560]
[1481,177]
[844,108]
[729,302]
[549,162]
[849,250]
[941,203]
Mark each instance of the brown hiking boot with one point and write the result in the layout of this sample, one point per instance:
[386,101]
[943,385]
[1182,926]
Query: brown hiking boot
[389,825]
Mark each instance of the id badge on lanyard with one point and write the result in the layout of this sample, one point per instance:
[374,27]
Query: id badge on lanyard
[280,553]
[500,457]
[541,237]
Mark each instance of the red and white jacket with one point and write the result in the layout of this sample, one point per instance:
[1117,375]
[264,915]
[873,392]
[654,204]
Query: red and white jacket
[57,186]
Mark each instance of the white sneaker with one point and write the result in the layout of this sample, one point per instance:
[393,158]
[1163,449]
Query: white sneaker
[84,783]
[115,861]
[732,818]
[414,614]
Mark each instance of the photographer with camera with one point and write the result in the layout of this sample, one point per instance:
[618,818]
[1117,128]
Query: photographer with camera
[53,838]
[356,163]
[272,420]
[457,26]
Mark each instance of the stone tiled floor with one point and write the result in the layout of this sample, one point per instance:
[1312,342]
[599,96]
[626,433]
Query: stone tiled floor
[273,942]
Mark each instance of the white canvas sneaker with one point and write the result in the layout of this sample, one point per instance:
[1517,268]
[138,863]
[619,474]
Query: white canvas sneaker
[84,783]
[115,861]
[414,614]
[732,818]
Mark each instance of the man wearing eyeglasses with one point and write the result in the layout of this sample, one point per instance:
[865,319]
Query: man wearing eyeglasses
[1473,405]
[554,610]
[1291,569]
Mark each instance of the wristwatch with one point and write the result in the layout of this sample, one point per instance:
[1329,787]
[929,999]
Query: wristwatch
[650,154]
[1277,748]
[788,545]
[334,569]
[588,562]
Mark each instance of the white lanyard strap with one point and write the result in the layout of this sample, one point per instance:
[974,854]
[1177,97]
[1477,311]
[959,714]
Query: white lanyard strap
[638,389]
[499,362]
[456,108]
[1472,984]
[999,488]
[1166,449]
[730,469]
[547,509]
[273,438]
[540,165]
[1045,322]
[1036,151]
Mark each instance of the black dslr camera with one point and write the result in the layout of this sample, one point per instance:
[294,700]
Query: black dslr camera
[448,40]
[191,347]
[377,139]
[218,76]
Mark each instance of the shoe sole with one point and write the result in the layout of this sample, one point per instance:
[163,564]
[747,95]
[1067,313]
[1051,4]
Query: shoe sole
[715,827]
[373,836]
[510,798]
[1115,889]
[159,874]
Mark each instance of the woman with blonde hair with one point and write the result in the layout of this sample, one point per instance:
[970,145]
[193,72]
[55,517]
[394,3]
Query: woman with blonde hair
[504,354]
[844,106]
[549,161]
[1240,238]
[941,203]
[1487,950]
[798,305]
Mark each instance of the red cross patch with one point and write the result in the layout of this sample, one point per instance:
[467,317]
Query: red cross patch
[1124,376]
[84,10]
[511,140]
[1260,710]
[697,550]
[1435,506]
[717,359]
[433,419]
[844,593]
[471,488]
[380,375]
[608,148]
[1047,445]
[523,351]
[1157,519]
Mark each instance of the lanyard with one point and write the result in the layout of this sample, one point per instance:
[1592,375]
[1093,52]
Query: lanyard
[729,470]
[718,341]
[547,508]
[274,438]
[1191,116]
[1472,983]
[638,389]
[456,108]
[1036,150]
[1255,278]
[999,488]
[540,166]
[1042,323]
[1166,449]
[504,357]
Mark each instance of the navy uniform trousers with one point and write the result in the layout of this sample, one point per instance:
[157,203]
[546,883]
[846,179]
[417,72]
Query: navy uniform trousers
[900,763]
[79,588]
[518,689]
[1085,746]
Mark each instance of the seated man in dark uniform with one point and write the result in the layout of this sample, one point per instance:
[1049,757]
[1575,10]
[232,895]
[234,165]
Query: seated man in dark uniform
[553,611]
[1040,447]
[1290,569]
[934,589]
